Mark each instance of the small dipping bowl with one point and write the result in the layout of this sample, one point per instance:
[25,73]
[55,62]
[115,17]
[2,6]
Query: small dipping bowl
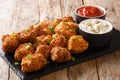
[89,12]
[97,32]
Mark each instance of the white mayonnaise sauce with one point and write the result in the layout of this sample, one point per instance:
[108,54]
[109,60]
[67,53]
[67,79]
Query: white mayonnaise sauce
[95,26]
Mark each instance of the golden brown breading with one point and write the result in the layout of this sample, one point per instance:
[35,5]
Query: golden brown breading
[43,50]
[28,35]
[53,23]
[4,36]
[23,50]
[67,19]
[64,19]
[37,29]
[59,54]
[43,40]
[67,29]
[47,27]
[33,62]
[10,42]
[77,44]
[46,40]
[44,24]
[38,40]
[58,41]
[43,28]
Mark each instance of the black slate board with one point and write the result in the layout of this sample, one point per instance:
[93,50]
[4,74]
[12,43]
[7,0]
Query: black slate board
[52,67]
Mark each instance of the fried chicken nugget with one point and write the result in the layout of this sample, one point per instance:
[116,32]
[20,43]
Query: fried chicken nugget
[76,44]
[38,40]
[67,19]
[28,35]
[59,40]
[46,40]
[67,29]
[47,27]
[33,62]
[59,54]
[44,28]
[37,29]
[43,40]
[10,42]
[23,50]
[43,50]
[64,19]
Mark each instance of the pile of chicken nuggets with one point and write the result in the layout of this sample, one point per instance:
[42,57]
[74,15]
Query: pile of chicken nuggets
[55,40]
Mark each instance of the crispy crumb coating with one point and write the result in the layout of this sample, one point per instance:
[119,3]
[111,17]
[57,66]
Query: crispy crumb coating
[68,19]
[64,19]
[43,50]
[33,62]
[47,27]
[43,40]
[28,35]
[38,40]
[10,42]
[23,50]
[77,44]
[67,29]
[46,40]
[58,40]
[59,54]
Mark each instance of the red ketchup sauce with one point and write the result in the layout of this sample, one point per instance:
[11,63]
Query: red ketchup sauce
[90,11]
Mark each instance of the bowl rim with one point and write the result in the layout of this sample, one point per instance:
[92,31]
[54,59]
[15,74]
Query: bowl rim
[100,7]
[94,33]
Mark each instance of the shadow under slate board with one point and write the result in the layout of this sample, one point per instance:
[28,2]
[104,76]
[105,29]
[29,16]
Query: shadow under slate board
[52,67]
